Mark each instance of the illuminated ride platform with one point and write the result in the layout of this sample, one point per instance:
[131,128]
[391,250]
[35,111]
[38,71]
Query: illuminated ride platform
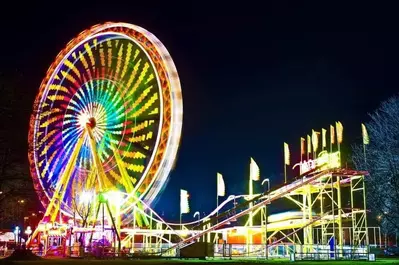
[305,232]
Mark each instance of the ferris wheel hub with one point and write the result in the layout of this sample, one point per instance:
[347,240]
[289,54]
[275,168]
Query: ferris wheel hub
[91,122]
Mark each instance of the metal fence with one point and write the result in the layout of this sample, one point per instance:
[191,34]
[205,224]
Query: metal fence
[297,252]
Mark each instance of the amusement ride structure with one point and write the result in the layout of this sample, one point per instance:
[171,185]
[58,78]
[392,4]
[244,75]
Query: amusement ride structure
[104,136]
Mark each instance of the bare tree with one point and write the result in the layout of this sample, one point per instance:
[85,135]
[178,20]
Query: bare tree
[381,158]
[83,209]
[15,181]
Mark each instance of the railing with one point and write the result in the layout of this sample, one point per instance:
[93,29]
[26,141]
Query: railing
[136,250]
[299,252]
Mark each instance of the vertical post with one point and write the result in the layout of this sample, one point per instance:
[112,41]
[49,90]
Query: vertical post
[250,223]
[285,173]
[266,243]
[181,226]
[310,213]
[365,216]
[340,231]
[217,205]
[333,214]
[321,214]
[265,215]
[103,229]
[203,228]
[364,154]
[150,239]
[208,234]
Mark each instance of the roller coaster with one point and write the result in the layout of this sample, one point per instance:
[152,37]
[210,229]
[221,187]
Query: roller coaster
[321,218]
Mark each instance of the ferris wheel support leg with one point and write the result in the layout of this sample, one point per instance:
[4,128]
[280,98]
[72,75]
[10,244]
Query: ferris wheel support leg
[96,159]
[54,206]
[61,186]
[115,228]
[34,235]
[94,222]
[129,186]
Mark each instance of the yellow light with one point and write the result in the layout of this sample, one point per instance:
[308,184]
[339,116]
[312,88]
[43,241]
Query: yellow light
[332,134]
[323,138]
[220,185]
[114,197]
[286,154]
[83,119]
[254,171]
[241,230]
[86,197]
[366,139]
[315,140]
[324,161]
[340,130]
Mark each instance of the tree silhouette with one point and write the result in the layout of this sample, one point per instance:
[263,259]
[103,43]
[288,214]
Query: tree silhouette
[15,181]
[381,158]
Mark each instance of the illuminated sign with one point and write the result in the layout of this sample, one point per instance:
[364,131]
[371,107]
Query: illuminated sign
[324,161]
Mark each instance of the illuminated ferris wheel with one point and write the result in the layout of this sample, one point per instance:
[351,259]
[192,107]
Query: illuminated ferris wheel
[107,117]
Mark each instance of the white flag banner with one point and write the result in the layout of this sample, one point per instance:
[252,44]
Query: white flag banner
[254,171]
[221,186]
[184,206]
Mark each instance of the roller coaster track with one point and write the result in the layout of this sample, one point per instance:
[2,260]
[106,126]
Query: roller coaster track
[267,198]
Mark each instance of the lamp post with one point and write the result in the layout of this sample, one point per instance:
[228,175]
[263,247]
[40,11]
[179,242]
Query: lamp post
[195,214]
[28,231]
[71,223]
[17,231]
[267,191]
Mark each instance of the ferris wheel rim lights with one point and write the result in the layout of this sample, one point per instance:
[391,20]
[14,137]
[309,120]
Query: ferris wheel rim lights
[174,102]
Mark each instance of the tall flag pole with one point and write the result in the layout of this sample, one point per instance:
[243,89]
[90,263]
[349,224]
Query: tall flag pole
[220,190]
[309,145]
[254,175]
[184,206]
[340,130]
[332,137]
[323,139]
[366,141]
[315,143]
[302,147]
[286,160]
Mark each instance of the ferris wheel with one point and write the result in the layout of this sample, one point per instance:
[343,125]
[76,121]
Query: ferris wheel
[108,117]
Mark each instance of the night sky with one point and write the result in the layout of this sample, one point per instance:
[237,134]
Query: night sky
[252,77]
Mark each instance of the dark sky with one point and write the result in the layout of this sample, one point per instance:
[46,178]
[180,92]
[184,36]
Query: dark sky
[252,76]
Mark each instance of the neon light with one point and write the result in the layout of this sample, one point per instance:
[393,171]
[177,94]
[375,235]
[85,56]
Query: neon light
[324,161]
[114,77]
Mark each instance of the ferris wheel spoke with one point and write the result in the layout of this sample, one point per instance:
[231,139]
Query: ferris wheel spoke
[134,69]
[150,117]
[71,66]
[125,178]
[126,60]
[138,147]
[59,191]
[107,93]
